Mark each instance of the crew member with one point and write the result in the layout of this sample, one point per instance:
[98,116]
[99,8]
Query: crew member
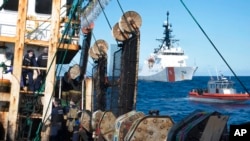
[29,60]
[56,121]
[42,62]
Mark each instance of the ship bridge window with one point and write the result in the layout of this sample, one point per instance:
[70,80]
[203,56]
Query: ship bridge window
[11,5]
[43,6]
[157,60]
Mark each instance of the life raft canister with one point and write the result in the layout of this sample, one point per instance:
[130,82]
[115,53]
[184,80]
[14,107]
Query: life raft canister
[5,85]
[151,62]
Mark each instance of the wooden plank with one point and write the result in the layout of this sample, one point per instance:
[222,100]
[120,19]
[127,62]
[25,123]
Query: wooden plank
[18,53]
[50,79]
[40,19]
[4,108]
[31,93]
[88,101]
[46,43]
[7,39]
[34,68]
[214,128]
[39,43]
[69,46]
[4,96]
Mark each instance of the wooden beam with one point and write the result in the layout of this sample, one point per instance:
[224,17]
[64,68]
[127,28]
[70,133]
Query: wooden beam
[34,68]
[68,46]
[46,43]
[40,19]
[89,96]
[39,43]
[50,79]
[18,57]
[7,39]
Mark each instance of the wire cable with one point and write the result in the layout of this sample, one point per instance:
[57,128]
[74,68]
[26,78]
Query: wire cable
[215,47]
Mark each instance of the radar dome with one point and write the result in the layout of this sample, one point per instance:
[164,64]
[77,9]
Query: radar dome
[165,22]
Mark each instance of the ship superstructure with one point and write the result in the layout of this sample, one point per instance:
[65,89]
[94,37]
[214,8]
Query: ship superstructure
[168,62]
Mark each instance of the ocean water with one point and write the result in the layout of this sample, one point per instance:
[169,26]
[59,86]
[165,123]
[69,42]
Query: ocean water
[172,99]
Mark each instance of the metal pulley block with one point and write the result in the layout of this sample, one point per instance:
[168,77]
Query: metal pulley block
[124,123]
[118,34]
[107,125]
[96,117]
[130,21]
[150,128]
[85,120]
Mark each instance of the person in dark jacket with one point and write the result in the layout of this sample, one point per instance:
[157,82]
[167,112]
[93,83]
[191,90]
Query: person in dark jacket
[29,60]
[42,62]
[57,118]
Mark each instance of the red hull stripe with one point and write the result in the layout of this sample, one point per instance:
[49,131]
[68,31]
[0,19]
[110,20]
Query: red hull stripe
[171,74]
[221,96]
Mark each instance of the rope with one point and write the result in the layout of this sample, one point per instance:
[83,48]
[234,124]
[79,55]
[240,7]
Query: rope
[72,11]
[129,25]
[215,47]
[105,15]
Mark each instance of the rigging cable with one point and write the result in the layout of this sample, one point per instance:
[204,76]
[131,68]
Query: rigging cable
[105,15]
[62,59]
[4,3]
[126,20]
[215,47]
[110,27]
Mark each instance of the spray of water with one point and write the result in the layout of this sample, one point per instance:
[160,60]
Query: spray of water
[92,11]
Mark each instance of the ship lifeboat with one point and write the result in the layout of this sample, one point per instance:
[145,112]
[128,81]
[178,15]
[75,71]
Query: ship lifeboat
[220,91]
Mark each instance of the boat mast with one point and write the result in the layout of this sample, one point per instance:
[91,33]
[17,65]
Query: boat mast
[167,33]
[166,41]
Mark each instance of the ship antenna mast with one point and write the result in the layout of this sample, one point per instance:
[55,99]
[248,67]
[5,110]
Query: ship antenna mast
[167,33]
[166,41]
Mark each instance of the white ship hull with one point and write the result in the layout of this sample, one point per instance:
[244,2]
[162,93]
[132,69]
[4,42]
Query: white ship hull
[168,62]
[168,74]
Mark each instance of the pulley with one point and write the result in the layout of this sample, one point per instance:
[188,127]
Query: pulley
[118,34]
[74,71]
[130,21]
[93,54]
[100,47]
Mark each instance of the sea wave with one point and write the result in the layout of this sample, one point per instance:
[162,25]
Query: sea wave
[172,99]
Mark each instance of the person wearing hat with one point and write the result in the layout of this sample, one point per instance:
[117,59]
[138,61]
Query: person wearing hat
[57,118]
[29,60]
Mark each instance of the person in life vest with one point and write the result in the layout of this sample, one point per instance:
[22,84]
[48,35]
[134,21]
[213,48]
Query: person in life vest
[29,60]
[42,62]
[57,117]
[73,121]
